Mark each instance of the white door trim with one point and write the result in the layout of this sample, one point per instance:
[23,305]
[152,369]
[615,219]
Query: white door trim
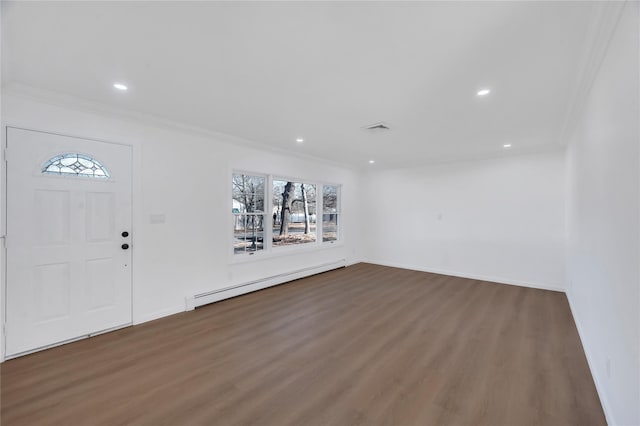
[3,235]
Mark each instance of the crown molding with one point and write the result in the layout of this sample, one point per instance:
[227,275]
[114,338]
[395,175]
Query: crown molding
[598,41]
[58,99]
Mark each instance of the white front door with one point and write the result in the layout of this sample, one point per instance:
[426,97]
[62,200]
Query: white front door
[68,238]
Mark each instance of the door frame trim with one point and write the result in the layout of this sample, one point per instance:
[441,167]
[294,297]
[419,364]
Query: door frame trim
[3,237]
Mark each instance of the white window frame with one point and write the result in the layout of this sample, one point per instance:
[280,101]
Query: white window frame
[269,250]
[266,240]
[338,239]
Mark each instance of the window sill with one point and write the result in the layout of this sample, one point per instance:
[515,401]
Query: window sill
[283,251]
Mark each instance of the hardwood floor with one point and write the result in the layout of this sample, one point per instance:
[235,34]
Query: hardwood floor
[367,345]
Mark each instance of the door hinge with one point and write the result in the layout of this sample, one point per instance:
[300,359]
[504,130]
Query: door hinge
[4,154]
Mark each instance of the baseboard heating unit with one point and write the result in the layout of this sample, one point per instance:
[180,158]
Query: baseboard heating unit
[238,289]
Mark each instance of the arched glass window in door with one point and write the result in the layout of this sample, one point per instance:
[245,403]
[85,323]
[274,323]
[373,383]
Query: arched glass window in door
[75,164]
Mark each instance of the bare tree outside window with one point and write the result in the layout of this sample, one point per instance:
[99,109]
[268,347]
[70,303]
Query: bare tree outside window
[248,193]
[295,206]
[330,213]
[272,212]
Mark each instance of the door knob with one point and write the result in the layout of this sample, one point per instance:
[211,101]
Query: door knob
[125,234]
[125,246]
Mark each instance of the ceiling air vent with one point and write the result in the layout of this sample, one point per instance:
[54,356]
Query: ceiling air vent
[377,128]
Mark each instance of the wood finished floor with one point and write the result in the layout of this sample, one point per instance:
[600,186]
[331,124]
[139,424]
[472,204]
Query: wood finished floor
[367,344]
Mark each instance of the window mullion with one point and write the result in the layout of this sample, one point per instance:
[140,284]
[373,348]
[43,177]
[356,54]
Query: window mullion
[268,231]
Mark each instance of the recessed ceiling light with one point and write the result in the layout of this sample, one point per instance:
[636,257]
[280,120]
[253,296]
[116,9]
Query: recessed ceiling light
[299,140]
[120,86]
[372,161]
[506,145]
[484,92]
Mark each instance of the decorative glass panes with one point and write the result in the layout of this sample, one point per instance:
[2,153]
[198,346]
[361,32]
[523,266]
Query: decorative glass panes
[76,165]
[294,213]
[330,213]
[248,213]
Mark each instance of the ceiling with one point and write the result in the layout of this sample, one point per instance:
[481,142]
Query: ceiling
[271,72]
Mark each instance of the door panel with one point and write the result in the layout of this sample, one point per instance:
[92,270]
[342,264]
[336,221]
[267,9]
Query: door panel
[52,292]
[100,284]
[100,217]
[67,275]
[52,217]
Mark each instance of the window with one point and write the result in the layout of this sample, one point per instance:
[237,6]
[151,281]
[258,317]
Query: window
[271,213]
[248,213]
[294,213]
[76,165]
[330,213]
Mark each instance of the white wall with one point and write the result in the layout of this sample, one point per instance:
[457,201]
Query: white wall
[603,257]
[499,220]
[187,177]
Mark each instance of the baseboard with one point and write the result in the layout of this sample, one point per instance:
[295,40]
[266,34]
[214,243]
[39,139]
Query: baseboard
[552,287]
[192,302]
[604,401]
[353,262]
[158,314]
